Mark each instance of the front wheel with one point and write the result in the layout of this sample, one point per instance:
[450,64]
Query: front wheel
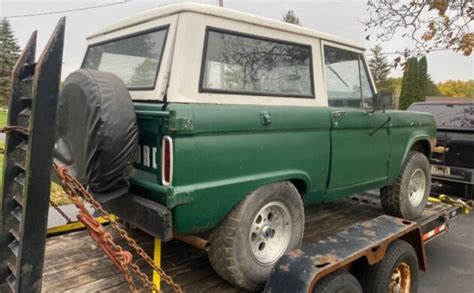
[407,196]
[265,225]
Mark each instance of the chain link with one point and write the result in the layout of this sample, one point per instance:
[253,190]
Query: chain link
[72,186]
[76,193]
[61,212]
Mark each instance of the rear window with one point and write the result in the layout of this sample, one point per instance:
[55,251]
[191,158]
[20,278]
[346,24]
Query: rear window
[448,115]
[237,63]
[135,59]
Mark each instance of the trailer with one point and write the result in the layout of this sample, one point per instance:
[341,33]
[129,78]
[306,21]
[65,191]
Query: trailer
[346,243]
[74,263]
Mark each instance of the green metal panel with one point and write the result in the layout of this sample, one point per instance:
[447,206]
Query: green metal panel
[358,155]
[224,152]
[227,151]
[408,128]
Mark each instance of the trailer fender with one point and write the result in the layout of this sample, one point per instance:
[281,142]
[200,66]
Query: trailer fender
[300,270]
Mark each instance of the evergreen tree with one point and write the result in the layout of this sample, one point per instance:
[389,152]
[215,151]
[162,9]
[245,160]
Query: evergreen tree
[408,92]
[290,17]
[431,88]
[9,53]
[422,79]
[379,67]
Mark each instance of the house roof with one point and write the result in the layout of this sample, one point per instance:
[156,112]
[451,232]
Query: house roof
[216,11]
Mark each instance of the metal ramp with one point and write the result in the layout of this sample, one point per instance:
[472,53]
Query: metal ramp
[24,200]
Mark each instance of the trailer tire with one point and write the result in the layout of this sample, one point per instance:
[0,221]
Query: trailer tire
[338,281]
[399,261]
[405,198]
[267,215]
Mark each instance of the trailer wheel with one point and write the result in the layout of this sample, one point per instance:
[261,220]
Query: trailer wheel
[338,282]
[407,196]
[265,225]
[396,272]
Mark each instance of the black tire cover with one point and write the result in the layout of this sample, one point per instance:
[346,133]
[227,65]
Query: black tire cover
[96,132]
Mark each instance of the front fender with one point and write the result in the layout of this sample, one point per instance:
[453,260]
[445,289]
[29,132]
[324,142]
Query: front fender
[399,154]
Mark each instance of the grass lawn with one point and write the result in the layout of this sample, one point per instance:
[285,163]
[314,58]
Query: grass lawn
[3,119]
[57,194]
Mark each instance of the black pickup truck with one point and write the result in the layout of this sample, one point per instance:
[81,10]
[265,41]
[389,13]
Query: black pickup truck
[452,164]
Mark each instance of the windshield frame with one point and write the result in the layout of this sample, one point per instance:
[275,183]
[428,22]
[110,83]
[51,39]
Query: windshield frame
[165,27]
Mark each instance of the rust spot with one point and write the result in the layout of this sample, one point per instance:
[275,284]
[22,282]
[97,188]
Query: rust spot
[369,232]
[285,268]
[323,260]
[332,239]
[367,224]
[295,253]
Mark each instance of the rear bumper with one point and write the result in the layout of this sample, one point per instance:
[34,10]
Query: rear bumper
[455,174]
[147,215]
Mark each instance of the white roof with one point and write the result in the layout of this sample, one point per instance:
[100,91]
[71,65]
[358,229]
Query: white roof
[218,12]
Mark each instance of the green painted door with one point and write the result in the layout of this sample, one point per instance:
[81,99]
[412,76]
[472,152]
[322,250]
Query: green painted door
[358,158]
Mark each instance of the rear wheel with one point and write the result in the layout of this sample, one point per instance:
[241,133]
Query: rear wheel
[407,196]
[397,272]
[265,225]
[338,282]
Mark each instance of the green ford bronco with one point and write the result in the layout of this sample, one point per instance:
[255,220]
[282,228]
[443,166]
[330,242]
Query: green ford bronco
[244,121]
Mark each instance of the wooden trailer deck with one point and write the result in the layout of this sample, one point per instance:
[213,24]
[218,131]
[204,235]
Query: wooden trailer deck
[74,263]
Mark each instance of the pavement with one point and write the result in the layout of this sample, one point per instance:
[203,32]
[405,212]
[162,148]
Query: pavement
[451,260]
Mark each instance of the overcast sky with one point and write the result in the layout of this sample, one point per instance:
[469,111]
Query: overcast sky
[340,18]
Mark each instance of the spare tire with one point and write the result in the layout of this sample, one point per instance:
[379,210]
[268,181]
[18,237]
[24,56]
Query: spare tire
[96,132]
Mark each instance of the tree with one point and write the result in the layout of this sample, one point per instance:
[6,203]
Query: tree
[431,87]
[414,82]
[422,78]
[9,53]
[290,17]
[457,88]
[379,67]
[409,83]
[430,25]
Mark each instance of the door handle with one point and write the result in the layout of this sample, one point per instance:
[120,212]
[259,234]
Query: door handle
[265,118]
[338,114]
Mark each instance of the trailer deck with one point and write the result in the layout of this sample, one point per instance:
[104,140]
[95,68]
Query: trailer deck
[74,263]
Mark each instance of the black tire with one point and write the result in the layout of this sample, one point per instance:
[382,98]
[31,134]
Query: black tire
[231,254]
[377,278]
[396,197]
[338,282]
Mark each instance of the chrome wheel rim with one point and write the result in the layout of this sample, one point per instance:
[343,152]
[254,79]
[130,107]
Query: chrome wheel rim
[270,233]
[416,187]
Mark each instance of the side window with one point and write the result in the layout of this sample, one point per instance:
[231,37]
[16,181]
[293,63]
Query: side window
[240,64]
[347,80]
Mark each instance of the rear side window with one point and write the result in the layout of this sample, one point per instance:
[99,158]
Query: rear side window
[448,115]
[135,59]
[235,63]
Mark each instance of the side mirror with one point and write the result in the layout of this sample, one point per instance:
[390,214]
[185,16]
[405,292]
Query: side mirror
[384,100]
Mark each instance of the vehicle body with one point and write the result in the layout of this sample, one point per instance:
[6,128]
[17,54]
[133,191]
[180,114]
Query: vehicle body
[260,117]
[454,162]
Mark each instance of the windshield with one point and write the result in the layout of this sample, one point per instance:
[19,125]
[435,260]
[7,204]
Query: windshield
[448,115]
[135,59]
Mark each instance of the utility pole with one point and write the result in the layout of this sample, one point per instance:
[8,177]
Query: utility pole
[220,3]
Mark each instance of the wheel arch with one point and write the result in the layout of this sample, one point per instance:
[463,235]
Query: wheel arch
[205,216]
[421,143]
